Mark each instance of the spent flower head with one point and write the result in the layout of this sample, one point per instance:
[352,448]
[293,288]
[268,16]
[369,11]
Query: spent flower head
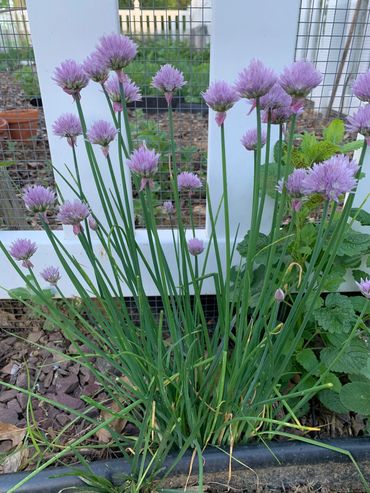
[195,246]
[116,51]
[51,275]
[92,223]
[332,178]
[168,207]
[144,163]
[71,77]
[168,79]
[38,198]
[69,127]
[300,78]
[188,181]
[361,87]
[250,139]
[220,97]
[255,81]
[102,133]
[95,68]
[22,250]
[73,213]
[364,287]
[359,122]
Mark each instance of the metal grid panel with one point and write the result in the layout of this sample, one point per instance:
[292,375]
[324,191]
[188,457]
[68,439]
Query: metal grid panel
[335,36]
[24,149]
[176,32]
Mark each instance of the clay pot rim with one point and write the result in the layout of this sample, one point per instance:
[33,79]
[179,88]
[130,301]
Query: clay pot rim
[27,114]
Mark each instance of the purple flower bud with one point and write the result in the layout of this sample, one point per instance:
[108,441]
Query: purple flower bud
[69,127]
[332,178]
[73,213]
[364,287]
[116,51]
[22,250]
[102,133]
[38,198]
[361,87]
[195,246]
[296,205]
[71,77]
[168,207]
[95,69]
[130,90]
[255,81]
[220,96]
[250,139]
[144,163]
[279,295]
[300,78]
[188,181]
[359,122]
[92,223]
[51,275]
[168,79]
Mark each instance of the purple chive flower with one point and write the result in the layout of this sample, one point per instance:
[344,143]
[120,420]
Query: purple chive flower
[195,246]
[144,163]
[300,78]
[220,96]
[278,116]
[130,90]
[116,51]
[364,287]
[23,249]
[168,79]
[188,181]
[73,213]
[168,207]
[68,126]
[275,98]
[38,199]
[255,81]
[51,275]
[92,223]
[71,77]
[361,87]
[294,183]
[279,295]
[250,139]
[332,178]
[359,122]
[95,68]
[102,133]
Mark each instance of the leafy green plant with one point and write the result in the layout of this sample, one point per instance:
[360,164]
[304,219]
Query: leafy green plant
[28,80]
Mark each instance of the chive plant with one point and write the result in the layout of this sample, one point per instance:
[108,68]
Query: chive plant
[182,385]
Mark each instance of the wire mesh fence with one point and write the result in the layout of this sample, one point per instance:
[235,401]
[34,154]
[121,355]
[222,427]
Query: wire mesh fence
[335,36]
[24,149]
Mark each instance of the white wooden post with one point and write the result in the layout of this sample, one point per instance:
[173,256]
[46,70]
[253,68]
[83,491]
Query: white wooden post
[266,30]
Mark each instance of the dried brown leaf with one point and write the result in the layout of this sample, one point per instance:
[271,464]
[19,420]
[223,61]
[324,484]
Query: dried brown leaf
[16,461]
[118,424]
[12,433]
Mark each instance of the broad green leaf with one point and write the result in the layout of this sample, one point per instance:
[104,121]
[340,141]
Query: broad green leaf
[351,146]
[334,380]
[354,243]
[356,397]
[334,279]
[338,315]
[334,132]
[361,216]
[358,303]
[359,274]
[353,360]
[331,401]
[308,360]
[20,294]
[262,242]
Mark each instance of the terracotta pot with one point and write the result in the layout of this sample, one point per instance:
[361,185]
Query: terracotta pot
[23,124]
[4,128]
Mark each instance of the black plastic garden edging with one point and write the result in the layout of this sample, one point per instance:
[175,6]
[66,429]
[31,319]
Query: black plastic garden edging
[249,459]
